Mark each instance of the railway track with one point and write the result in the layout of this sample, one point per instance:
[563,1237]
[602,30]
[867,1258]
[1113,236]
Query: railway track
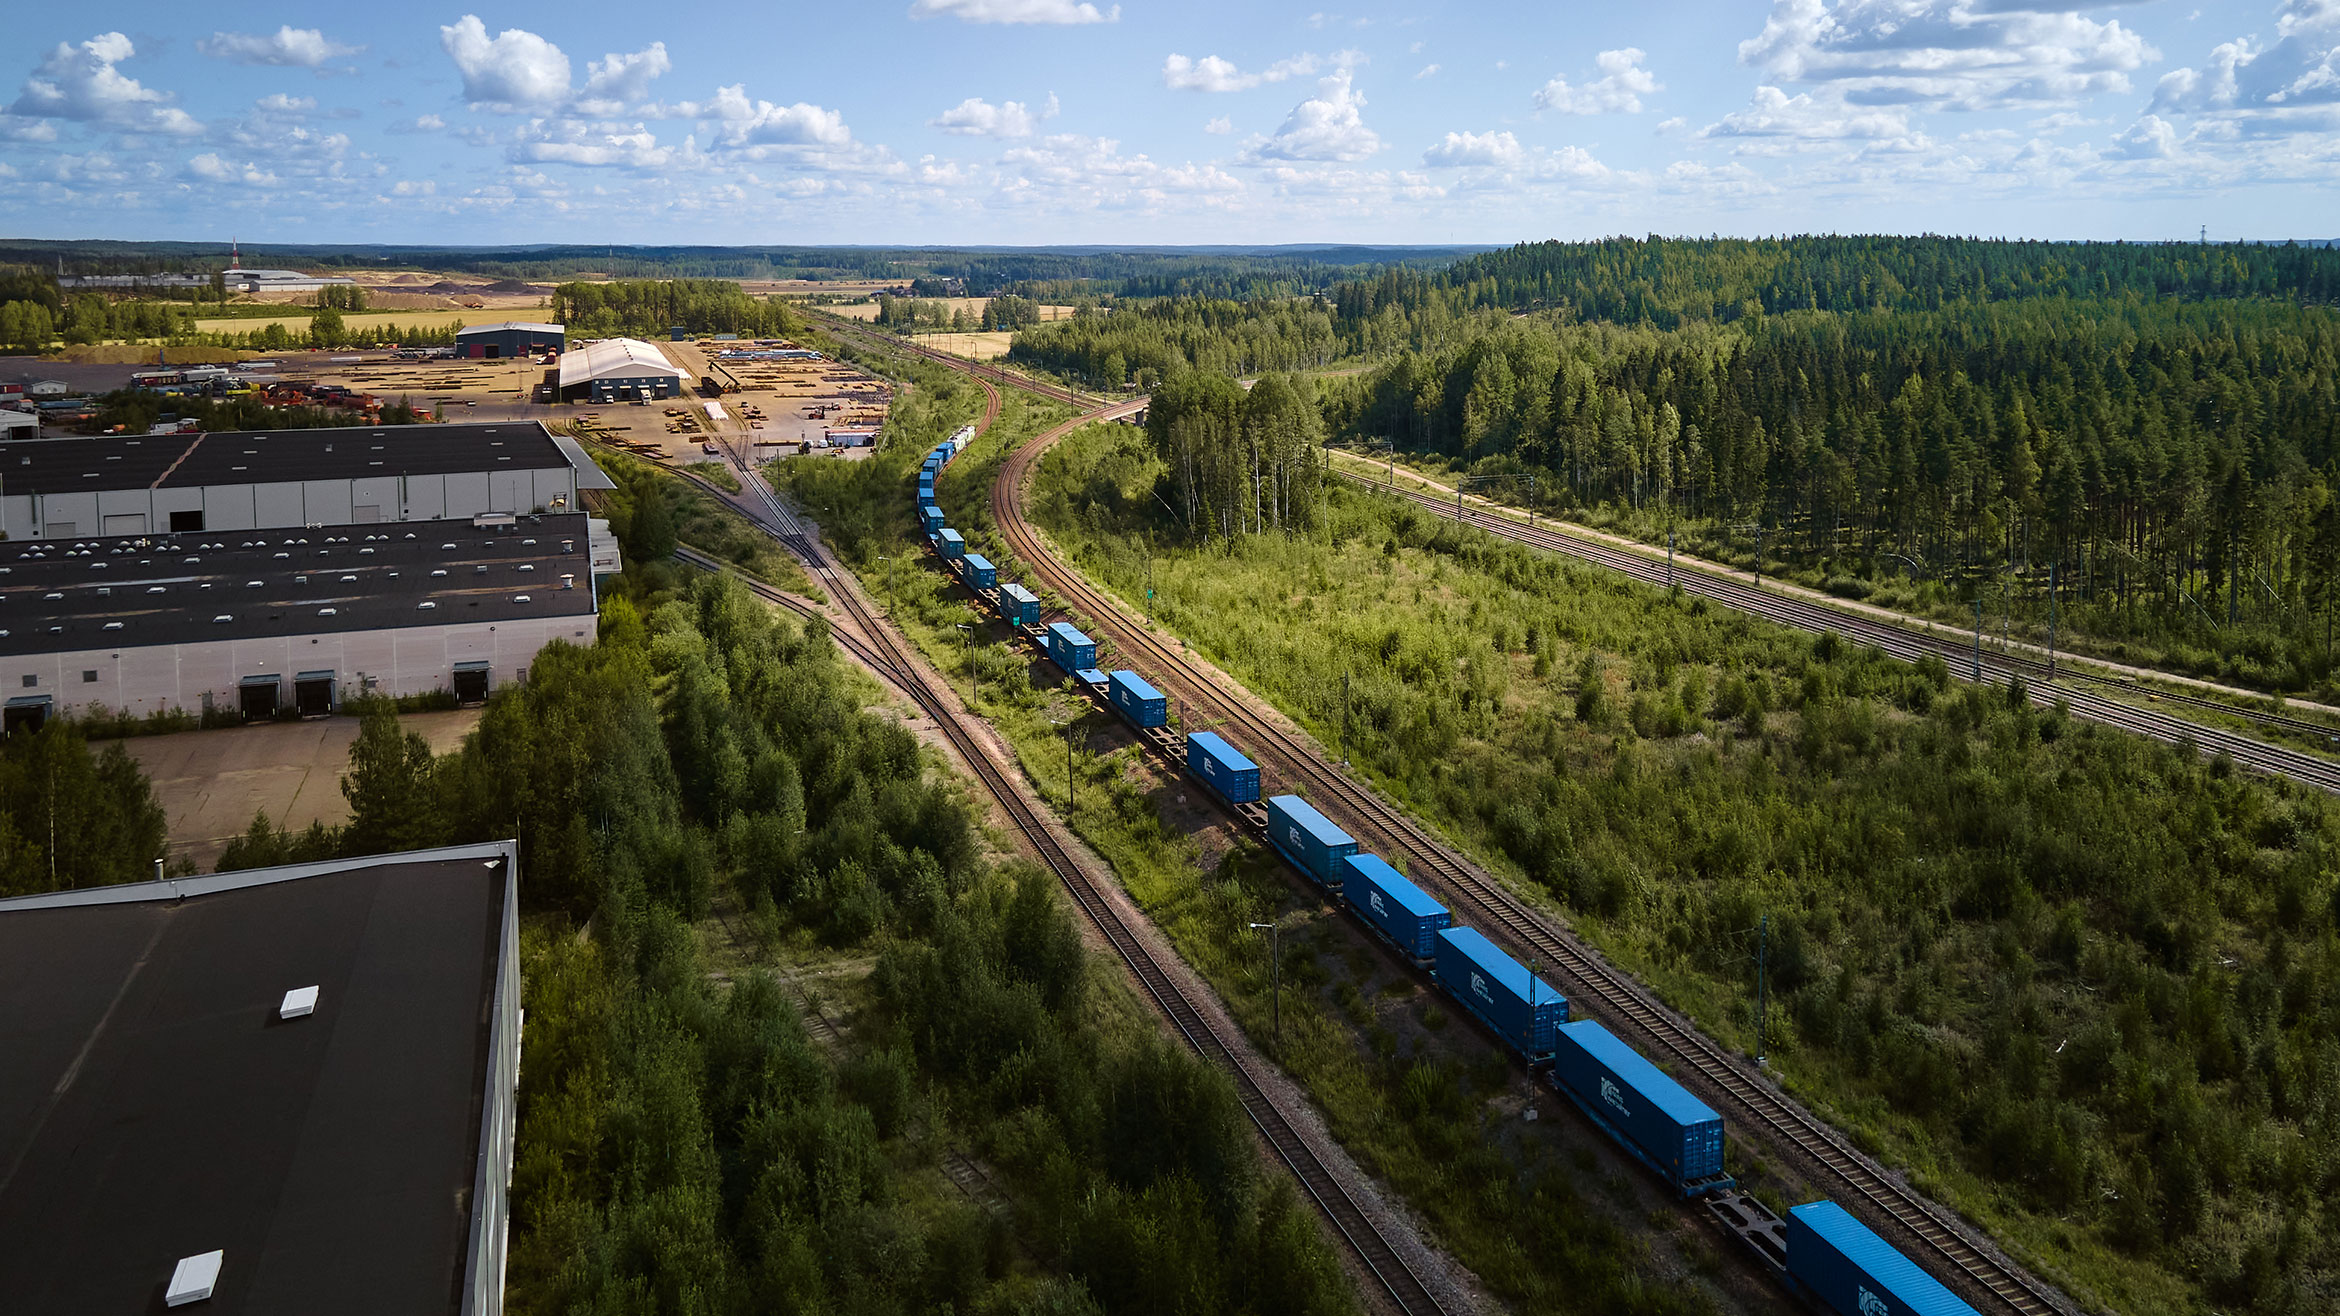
[1481,898]
[878,646]
[1910,646]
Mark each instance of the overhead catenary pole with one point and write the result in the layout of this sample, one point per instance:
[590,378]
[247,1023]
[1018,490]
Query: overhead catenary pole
[1978,637]
[2052,619]
[1762,982]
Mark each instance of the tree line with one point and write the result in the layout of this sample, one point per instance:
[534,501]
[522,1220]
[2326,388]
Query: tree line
[1241,462]
[650,307]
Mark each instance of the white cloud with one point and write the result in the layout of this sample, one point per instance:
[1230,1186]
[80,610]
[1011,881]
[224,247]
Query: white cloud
[281,104]
[755,123]
[287,47]
[14,128]
[1955,54]
[514,69]
[614,79]
[1461,150]
[81,83]
[977,117]
[1501,151]
[1220,126]
[209,168]
[1327,126]
[2250,87]
[414,187]
[1068,169]
[2149,138]
[1428,71]
[603,146]
[1211,73]
[1774,113]
[1014,11]
[1619,89]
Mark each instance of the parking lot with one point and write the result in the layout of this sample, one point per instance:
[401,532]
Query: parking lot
[210,783]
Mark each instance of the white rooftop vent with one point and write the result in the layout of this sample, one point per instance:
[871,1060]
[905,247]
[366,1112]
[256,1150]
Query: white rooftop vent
[193,1279]
[297,1002]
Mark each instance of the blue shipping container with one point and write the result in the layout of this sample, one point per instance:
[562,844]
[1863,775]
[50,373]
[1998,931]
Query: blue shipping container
[1679,1133]
[1308,839]
[1853,1271]
[979,572]
[1019,605]
[930,518]
[1070,649]
[1493,986]
[1397,908]
[1142,704]
[1222,768]
[950,543]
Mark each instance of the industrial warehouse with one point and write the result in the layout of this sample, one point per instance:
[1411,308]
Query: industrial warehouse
[510,338]
[279,1090]
[619,370]
[398,561]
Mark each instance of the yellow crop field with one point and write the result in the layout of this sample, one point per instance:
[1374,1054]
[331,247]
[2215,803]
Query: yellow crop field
[296,319]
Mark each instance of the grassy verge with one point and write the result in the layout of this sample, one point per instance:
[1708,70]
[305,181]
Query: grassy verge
[697,518]
[1411,1091]
[2244,655]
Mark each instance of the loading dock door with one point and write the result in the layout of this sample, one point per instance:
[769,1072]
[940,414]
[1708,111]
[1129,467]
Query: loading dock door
[25,713]
[471,683]
[258,695]
[313,692]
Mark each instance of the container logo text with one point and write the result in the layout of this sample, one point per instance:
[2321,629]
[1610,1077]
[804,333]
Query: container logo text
[1610,1094]
[1479,988]
[1872,1305]
[1374,899]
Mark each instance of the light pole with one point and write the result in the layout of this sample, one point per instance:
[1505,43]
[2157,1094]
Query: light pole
[1275,933]
[967,648]
[1068,762]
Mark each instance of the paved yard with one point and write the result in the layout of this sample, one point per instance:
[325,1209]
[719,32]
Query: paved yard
[210,783]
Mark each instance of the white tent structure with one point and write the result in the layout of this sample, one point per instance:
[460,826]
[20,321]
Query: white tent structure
[619,370]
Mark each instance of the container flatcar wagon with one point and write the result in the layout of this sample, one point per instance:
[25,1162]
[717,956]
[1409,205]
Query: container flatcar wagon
[1020,606]
[1393,906]
[930,518]
[1230,776]
[1855,1273]
[1141,703]
[1522,1009]
[1655,1117]
[978,571]
[1309,839]
[950,544]
[1068,648]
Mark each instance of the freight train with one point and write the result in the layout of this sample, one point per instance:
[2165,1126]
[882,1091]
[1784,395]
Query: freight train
[1820,1250]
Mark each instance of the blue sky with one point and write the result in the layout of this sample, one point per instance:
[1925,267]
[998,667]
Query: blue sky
[1168,121]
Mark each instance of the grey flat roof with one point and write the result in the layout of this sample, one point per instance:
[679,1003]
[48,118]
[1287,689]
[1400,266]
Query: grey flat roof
[176,461]
[171,589]
[154,1107]
[509,326]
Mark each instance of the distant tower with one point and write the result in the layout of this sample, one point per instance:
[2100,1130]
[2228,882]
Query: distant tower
[235,255]
[2205,235]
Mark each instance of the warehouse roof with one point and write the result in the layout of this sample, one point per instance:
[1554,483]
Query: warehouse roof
[512,326]
[615,358]
[178,461]
[61,595]
[156,1106]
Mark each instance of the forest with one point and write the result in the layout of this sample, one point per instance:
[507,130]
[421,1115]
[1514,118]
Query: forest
[648,308]
[2115,1044]
[2148,433]
[689,1147]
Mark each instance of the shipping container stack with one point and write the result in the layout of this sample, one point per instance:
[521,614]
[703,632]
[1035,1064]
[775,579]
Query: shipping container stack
[1069,649]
